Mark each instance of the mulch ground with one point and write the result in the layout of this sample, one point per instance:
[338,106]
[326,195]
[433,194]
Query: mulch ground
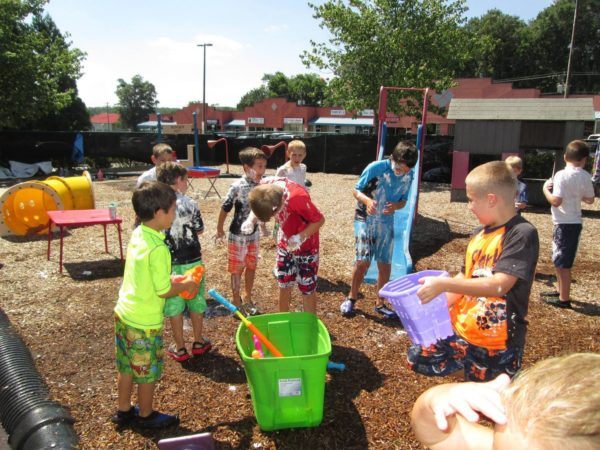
[67,322]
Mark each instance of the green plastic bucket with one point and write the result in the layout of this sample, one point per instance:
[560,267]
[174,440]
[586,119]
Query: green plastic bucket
[287,392]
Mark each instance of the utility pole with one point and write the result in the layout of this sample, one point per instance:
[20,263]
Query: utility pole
[204,87]
[571,50]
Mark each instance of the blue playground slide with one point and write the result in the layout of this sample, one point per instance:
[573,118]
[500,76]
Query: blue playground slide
[403,222]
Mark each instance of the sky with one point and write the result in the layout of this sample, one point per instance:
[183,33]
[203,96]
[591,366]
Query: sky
[158,40]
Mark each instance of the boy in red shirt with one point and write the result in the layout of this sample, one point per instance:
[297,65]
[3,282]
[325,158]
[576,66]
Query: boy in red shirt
[297,238]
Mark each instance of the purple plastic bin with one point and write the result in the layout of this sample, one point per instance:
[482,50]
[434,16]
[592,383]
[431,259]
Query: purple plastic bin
[425,324]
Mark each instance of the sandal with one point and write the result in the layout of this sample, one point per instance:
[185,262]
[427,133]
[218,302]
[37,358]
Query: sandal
[180,355]
[200,348]
[386,312]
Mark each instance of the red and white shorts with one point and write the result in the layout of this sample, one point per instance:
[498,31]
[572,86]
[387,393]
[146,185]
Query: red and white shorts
[242,252]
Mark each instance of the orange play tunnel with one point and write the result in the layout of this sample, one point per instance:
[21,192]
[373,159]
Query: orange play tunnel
[24,206]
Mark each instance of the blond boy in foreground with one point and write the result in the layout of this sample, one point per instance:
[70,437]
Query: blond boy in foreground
[553,405]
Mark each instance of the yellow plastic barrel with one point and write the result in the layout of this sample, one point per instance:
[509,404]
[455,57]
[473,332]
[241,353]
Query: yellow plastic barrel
[24,206]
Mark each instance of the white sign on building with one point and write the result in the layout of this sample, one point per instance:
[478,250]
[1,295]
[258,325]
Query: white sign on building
[338,112]
[256,120]
[367,113]
[294,120]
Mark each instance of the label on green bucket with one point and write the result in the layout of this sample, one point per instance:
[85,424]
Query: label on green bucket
[290,387]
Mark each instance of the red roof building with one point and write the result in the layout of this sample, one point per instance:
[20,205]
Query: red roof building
[105,121]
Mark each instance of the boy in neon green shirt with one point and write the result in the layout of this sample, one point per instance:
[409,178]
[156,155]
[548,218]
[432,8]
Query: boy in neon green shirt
[139,310]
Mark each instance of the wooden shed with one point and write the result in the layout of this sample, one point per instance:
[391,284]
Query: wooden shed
[506,127]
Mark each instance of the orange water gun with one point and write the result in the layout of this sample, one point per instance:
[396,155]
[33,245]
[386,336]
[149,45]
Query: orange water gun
[194,274]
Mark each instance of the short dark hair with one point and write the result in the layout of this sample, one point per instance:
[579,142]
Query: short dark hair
[251,154]
[405,152]
[169,172]
[150,197]
[577,151]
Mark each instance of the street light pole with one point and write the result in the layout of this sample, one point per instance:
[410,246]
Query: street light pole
[204,86]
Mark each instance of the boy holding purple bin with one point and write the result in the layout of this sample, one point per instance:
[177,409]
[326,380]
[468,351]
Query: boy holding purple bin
[488,300]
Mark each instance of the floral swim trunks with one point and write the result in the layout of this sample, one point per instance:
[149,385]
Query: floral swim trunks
[139,352]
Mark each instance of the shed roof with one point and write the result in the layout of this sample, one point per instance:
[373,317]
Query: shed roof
[563,109]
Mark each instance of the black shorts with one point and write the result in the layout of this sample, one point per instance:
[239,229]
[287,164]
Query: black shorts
[565,239]
[452,354]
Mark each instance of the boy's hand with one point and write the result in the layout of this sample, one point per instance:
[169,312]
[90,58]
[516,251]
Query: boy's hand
[468,400]
[432,287]
[371,207]
[549,184]
[219,236]
[191,288]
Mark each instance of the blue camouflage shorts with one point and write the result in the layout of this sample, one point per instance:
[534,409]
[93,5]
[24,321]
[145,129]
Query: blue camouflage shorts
[374,239]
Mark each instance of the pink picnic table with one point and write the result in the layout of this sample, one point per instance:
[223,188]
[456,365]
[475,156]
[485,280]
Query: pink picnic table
[81,218]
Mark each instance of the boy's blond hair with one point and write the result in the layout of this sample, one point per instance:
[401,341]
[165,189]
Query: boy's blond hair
[493,178]
[514,162]
[168,172]
[296,144]
[556,403]
[264,200]
[161,149]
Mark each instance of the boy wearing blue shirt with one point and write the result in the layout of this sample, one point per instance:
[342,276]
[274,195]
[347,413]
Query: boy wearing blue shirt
[381,189]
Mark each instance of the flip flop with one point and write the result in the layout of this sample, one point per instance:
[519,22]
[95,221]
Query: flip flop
[386,312]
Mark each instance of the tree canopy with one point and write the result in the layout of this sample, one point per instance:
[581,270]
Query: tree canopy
[137,100]
[306,89]
[410,43]
[536,53]
[39,69]
[502,49]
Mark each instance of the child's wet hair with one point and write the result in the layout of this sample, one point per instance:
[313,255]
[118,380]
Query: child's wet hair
[251,154]
[405,152]
[150,197]
[264,200]
[168,172]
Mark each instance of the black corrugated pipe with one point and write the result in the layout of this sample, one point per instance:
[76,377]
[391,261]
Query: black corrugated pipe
[31,420]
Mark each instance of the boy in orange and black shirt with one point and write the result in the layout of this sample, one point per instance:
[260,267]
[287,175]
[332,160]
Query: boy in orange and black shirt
[488,301]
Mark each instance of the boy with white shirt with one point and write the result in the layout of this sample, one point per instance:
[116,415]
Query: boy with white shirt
[565,192]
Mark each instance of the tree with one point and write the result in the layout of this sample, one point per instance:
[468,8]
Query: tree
[503,44]
[309,89]
[74,116]
[254,96]
[410,43]
[37,63]
[550,36]
[137,100]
